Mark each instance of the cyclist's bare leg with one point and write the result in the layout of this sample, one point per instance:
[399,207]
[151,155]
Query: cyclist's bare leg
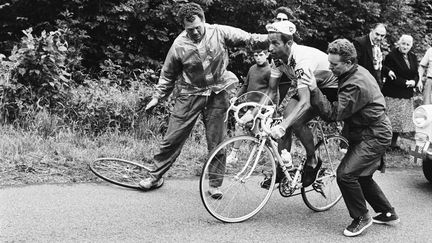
[304,133]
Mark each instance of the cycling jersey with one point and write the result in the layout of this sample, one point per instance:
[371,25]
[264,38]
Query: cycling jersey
[303,62]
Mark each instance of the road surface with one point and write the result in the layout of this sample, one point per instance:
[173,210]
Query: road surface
[174,213]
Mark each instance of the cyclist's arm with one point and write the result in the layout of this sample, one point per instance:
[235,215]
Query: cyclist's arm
[302,106]
[272,89]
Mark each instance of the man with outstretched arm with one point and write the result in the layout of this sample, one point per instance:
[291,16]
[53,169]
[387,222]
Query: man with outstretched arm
[196,62]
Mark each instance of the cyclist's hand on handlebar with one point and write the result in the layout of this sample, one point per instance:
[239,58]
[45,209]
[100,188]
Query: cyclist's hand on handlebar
[153,102]
[277,131]
[247,117]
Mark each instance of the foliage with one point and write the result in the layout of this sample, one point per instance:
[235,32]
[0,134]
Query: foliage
[36,74]
[102,105]
[95,61]
[138,33]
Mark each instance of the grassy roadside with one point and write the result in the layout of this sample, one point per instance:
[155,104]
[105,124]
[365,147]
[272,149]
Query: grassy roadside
[29,158]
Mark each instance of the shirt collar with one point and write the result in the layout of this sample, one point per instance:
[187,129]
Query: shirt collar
[371,41]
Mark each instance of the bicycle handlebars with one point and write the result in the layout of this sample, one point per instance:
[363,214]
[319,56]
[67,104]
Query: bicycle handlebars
[259,111]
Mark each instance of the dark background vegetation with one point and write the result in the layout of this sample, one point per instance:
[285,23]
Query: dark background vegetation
[75,74]
[90,64]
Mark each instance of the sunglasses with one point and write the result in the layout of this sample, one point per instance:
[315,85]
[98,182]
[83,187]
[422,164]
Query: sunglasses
[281,19]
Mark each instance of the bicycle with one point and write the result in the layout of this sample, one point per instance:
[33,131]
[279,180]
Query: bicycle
[257,158]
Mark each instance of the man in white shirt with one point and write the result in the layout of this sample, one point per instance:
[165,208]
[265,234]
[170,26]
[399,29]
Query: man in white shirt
[298,61]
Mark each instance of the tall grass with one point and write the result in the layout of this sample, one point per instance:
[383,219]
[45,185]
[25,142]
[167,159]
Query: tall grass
[54,154]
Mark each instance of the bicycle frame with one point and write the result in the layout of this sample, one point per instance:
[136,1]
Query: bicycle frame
[263,119]
[251,160]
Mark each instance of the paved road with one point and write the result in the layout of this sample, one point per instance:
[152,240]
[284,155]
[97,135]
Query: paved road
[174,213]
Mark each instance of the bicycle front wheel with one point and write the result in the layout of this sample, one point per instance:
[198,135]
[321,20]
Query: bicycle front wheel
[120,172]
[239,179]
[324,193]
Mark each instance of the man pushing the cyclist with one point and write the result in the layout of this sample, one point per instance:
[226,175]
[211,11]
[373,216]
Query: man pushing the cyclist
[362,107]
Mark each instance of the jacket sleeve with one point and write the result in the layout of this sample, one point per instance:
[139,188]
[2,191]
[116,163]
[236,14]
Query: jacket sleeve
[237,36]
[414,65]
[170,71]
[350,101]
[391,64]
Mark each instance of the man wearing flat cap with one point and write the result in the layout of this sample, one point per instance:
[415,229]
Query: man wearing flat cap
[300,62]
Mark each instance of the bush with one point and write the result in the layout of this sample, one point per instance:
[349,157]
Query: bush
[35,75]
[101,105]
[37,91]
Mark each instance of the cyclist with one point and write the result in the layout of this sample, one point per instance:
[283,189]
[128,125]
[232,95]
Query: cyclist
[298,61]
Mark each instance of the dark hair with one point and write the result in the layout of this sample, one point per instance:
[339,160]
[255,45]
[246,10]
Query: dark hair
[188,12]
[258,47]
[344,48]
[289,13]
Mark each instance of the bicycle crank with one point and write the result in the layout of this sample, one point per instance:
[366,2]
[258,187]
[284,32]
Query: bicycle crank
[286,189]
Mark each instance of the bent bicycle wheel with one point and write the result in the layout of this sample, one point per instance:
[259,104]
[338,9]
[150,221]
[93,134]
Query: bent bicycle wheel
[238,180]
[324,193]
[120,172]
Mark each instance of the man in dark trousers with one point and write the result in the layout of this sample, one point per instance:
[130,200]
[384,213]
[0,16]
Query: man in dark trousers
[361,106]
[369,53]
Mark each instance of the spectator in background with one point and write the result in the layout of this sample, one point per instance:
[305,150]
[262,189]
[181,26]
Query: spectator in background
[369,53]
[426,68]
[284,14]
[258,75]
[257,79]
[399,92]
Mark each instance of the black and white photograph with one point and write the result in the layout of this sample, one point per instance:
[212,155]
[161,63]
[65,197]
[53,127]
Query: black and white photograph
[215,121]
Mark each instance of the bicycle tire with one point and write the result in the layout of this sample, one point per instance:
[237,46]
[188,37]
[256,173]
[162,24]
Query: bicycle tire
[324,193]
[119,171]
[243,196]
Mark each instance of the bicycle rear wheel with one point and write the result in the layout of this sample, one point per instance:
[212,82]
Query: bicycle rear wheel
[120,172]
[239,181]
[324,193]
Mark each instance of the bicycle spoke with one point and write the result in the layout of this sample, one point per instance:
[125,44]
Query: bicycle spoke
[326,193]
[120,172]
[242,195]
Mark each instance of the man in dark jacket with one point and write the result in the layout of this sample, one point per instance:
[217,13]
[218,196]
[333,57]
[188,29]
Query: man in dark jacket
[369,53]
[362,107]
